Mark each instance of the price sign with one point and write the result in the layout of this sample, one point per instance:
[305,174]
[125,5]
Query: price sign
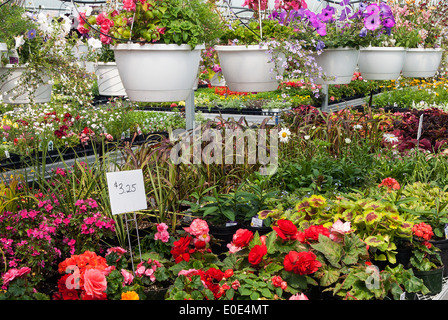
[126,191]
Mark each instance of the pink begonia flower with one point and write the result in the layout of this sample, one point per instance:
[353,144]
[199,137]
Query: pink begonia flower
[197,227]
[233,248]
[162,227]
[119,250]
[163,236]
[129,5]
[299,296]
[188,272]
[127,277]
[140,270]
[338,229]
[95,283]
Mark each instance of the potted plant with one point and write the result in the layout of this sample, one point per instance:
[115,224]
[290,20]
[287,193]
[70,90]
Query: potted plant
[108,77]
[337,39]
[430,208]
[43,57]
[20,39]
[255,56]
[419,29]
[381,59]
[157,45]
[426,260]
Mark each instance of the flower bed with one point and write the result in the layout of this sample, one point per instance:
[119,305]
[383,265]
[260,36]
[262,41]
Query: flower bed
[61,130]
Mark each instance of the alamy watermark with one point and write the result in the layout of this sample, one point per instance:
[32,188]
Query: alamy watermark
[227,146]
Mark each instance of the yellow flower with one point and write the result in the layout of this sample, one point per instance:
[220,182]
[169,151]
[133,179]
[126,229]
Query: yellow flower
[130,295]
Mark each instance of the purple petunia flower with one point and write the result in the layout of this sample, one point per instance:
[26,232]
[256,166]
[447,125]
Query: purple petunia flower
[372,9]
[326,14]
[386,11]
[388,23]
[321,28]
[372,22]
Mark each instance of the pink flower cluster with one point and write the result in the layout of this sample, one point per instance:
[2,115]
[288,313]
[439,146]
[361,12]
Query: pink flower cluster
[81,23]
[148,269]
[96,220]
[13,273]
[200,230]
[162,233]
[105,25]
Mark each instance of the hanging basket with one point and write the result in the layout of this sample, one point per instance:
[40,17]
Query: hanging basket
[157,72]
[109,81]
[248,68]
[422,62]
[339,65]
[42,93]
[381,63]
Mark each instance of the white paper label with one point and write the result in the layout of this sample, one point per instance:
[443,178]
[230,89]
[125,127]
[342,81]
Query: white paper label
[256,222]
[126,191]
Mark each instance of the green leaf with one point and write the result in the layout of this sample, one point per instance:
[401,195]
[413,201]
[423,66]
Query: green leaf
[331,250]
[255,295]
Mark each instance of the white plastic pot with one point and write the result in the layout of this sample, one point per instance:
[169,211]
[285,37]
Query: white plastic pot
[248,68]
[338,64]
[421,62]
[109,81]
[157,72]
[42,93]
[381,63]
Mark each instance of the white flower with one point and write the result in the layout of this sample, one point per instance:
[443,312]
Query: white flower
[94,43]
[357,127]
[306,137]
[19,41]
[284,135]
[347,140]
[390,137]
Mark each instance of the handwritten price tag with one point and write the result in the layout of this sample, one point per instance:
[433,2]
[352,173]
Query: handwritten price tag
[126,191]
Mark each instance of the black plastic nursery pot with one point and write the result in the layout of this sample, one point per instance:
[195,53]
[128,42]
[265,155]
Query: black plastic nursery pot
[224,234]
[432,279]
[443,246]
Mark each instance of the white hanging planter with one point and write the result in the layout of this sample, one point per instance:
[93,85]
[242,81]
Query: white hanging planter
[248,68]
[381,63]
[109,81]
[339,64]
[42,94]
[422,62]
[157,72]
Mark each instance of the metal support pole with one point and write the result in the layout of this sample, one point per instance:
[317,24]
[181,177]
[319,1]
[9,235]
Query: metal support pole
[189,111]
[129,240]
[324,106]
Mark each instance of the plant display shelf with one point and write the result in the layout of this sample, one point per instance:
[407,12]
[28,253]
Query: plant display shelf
[442,295]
